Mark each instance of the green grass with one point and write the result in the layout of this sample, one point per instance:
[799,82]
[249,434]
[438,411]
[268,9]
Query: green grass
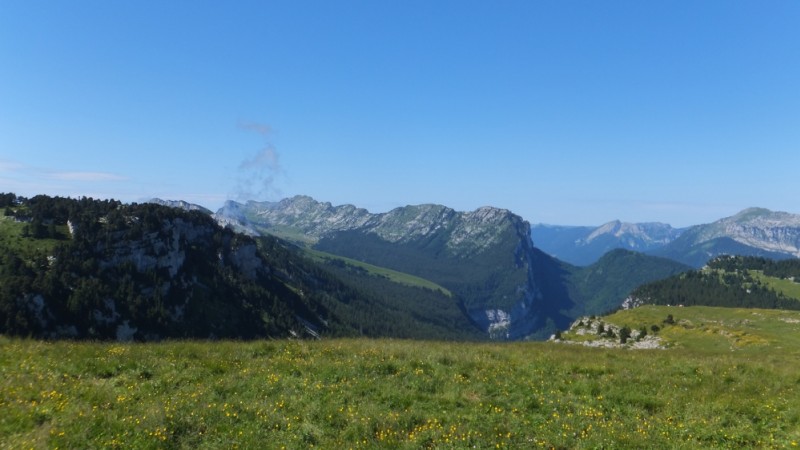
[411,394]
[705,329]
[11,238]
[789,288]
[392,275]
[288,234]
[292,235]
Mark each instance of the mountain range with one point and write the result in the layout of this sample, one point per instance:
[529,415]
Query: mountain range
[583,245]
[751,232]
[84,268]
[507,287]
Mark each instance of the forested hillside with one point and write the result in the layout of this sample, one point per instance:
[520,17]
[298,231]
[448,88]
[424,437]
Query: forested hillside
[84,268]
[732,281]
[602,286]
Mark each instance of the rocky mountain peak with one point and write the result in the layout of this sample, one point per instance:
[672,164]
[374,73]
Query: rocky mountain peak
[462,231]
[760,228]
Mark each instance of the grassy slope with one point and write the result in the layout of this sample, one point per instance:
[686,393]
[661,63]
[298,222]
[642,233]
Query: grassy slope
[704,329]
[707,391]
[292,235]
[11,238]
[392,275]
[789,288]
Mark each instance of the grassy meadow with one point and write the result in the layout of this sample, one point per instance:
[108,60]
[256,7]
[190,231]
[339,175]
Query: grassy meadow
[392,275]
[708,390]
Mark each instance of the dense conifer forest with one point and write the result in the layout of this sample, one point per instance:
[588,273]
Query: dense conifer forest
[731,281]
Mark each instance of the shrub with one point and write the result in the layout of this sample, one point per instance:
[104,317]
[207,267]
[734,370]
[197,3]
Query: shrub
[624,334]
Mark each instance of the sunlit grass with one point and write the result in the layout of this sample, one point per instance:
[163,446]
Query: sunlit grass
[11,238]
[393,275]
[789,288]
[398,394]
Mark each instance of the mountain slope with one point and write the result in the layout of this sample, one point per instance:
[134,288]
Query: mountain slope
[730,281]
[104,270]
[508,288]
[752,232]
[602,286]
[585,245]
[485,257]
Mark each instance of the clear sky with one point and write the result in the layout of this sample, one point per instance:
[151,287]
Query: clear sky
[565,112]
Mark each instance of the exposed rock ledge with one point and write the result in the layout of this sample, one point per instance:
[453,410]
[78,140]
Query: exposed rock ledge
[595,332]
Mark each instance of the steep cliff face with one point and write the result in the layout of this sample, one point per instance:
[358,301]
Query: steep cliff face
[486,257]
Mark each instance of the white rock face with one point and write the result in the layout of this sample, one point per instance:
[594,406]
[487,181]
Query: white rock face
[498,320]
[760,228]
[154,252]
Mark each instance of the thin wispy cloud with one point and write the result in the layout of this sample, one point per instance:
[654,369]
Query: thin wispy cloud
[25,179]
[260,128]
[10,166]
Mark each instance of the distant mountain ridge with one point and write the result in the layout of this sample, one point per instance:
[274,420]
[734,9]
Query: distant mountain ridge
[751,232]
[585,245]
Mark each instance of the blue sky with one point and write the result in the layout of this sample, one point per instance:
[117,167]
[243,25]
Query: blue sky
[565,112]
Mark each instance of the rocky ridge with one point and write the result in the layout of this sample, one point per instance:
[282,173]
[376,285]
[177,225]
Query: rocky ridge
[758,227]
[492,244]
[467,231]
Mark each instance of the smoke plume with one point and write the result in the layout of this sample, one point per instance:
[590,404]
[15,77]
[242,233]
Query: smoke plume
[257,174]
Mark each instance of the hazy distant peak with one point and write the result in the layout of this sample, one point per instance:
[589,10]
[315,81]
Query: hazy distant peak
[765,216]
[649,232]
[584,245]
